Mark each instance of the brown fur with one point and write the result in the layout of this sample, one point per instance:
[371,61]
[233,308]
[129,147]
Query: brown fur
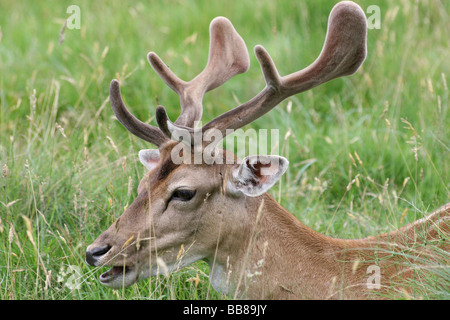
[261,251]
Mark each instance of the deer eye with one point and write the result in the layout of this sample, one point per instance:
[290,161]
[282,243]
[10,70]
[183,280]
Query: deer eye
[183,195]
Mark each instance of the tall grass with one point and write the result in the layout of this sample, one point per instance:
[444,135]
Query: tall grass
[368,153]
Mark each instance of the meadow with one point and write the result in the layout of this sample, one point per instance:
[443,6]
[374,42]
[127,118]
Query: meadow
[368,153]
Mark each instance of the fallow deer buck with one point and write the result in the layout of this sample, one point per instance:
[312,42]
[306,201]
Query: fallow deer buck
[221,213]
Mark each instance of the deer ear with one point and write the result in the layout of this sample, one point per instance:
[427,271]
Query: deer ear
[257,174]
[149,158]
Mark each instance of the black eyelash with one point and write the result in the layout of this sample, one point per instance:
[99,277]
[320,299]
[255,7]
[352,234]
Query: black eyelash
[183,195]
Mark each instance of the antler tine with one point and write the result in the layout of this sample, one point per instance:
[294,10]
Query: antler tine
[131,123]
[228,57]
[343,53]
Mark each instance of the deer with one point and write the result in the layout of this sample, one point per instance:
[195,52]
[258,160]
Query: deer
[220,211]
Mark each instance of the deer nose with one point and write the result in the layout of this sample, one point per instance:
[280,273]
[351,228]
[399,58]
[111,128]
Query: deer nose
[93,255]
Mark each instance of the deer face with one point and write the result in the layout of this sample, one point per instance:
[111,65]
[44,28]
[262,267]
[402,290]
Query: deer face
[175,217]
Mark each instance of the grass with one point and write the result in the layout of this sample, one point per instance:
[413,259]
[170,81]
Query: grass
[368,153]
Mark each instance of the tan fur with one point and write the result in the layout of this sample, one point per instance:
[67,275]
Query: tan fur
[262,250]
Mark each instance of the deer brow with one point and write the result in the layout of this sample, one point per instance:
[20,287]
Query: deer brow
[166,168]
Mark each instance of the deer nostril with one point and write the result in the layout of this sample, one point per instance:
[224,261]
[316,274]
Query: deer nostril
[93,255]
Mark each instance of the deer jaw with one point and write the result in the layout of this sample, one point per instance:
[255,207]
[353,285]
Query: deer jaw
[182,214]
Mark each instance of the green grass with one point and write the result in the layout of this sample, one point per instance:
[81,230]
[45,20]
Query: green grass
[69,168]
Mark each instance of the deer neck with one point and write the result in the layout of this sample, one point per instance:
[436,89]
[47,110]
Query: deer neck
[300,262]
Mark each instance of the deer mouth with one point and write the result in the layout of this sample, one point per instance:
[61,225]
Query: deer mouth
[119,277]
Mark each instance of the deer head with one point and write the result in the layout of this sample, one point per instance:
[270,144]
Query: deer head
[189,211]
